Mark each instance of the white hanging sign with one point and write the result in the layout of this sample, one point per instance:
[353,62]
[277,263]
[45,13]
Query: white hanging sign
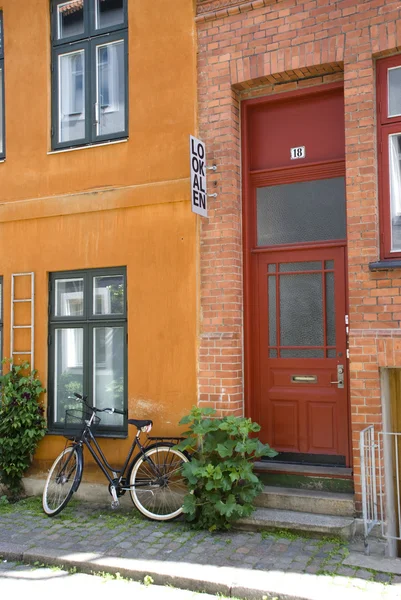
[197,152]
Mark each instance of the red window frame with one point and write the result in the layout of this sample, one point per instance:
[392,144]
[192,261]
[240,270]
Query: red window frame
[385,127]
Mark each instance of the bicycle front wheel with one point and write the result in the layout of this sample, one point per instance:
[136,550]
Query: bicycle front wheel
[60,483]
[157,485]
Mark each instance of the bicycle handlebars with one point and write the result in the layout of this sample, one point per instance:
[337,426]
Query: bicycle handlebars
[108,410]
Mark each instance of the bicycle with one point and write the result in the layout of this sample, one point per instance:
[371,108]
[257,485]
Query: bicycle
[153,477]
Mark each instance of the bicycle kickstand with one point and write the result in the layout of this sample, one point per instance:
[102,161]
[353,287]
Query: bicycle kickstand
[115,503]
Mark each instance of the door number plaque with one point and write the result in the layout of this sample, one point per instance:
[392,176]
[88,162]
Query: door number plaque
[298,152]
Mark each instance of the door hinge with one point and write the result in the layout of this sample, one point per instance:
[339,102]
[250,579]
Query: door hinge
[347,352]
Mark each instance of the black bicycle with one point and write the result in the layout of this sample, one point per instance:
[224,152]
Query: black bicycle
[153,476]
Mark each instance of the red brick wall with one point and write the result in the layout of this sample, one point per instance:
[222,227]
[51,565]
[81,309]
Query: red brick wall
[268,47]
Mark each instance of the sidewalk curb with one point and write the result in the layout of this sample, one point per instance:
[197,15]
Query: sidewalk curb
[228,581]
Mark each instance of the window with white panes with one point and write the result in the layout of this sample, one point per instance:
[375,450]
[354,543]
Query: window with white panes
[88,349]
[389,154]
[90,72]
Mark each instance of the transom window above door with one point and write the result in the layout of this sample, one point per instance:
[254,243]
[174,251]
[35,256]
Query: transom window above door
[90,72]
[305,211]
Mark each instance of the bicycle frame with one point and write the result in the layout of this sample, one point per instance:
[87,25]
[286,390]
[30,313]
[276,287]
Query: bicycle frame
[87,438]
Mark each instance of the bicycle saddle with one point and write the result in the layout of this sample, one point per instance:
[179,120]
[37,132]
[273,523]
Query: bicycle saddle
[139,424]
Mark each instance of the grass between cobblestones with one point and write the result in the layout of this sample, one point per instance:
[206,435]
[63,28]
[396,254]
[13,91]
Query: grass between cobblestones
[83,525]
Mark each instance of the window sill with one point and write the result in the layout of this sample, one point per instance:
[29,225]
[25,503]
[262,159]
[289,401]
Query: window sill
[385,265]
[88,146]
[117,436]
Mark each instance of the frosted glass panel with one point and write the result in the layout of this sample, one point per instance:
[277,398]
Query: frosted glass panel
[272,311]
[330,310]
[394,92]
[301,310]
[302,353]
[300,266]
[301,212]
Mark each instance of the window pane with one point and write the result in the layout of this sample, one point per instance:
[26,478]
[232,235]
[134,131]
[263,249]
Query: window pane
[301,312]
[300,266]
[69,298]
[68,369]
[108,371]
[1,112]
[330,309]
[72,96]
[394,92]
[70,19]
[302,353]
[395,191]
[306,211]
[109,13]
[110,87]
[272,310]
[108,295]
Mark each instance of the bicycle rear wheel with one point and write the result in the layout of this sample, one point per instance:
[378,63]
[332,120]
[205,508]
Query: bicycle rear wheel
[157,485]
[62,481]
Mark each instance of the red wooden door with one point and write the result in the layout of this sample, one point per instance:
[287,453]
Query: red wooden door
[301,343]
[295,273]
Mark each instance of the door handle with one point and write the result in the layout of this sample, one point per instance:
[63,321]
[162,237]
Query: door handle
[340,376]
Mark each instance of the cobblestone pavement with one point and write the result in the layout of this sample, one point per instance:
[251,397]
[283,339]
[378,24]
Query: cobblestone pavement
[85,527]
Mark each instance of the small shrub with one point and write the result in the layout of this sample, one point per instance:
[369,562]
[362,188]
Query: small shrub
[22,424]
[220,475]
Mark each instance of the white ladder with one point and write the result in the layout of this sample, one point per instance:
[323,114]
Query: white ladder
[31,326]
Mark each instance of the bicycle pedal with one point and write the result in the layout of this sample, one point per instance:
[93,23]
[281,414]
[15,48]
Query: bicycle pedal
[115,504]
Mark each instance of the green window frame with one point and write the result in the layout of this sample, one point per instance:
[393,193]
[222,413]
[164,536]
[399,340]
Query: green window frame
[2,109]
[88,345]
[89,72]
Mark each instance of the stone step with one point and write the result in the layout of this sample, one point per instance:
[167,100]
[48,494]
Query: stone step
[264,519]
[309,477]
[309,501]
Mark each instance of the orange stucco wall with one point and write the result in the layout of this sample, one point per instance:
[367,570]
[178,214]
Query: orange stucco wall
[118,204]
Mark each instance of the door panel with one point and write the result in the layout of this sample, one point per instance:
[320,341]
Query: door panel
[301,344]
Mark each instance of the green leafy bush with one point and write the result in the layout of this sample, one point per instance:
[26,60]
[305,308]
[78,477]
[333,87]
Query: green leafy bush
[220,475]
[22,423]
